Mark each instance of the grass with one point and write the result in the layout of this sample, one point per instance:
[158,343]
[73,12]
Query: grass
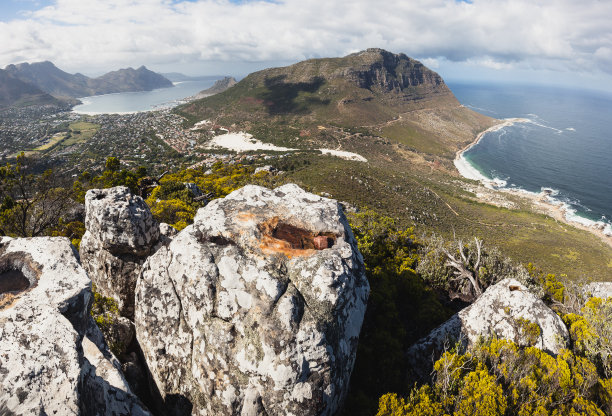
[434,205]
[79,132]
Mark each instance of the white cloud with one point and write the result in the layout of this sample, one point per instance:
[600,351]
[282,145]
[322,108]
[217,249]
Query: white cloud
[90,34]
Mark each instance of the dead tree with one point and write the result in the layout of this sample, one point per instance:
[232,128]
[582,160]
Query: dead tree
[465,272]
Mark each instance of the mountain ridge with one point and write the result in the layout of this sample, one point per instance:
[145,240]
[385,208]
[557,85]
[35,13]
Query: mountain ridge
[54,81]
[370,86]
[13,91]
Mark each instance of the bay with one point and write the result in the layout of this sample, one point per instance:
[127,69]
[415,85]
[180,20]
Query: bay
[132,102]
[565,147]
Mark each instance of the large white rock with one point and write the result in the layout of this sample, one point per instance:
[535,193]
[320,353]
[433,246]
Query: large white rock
[121,233]
[494,314]
[599,289]
[247,311]
[44,297]
[120,220]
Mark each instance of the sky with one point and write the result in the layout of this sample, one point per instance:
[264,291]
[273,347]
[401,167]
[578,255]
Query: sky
[564,42]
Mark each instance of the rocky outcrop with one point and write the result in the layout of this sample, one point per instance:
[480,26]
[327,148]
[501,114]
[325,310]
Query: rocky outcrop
[104,389]
[377,69]
[502,311]
[599,289]
[219,86]
[47,365]
[256,308]
[121,233]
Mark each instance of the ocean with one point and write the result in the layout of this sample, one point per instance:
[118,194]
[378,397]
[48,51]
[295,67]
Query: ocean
[563,149]
[132,102]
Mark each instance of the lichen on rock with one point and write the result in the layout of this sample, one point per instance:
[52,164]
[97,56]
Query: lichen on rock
[121,233]
[256,308]
[44,352]
[506,310]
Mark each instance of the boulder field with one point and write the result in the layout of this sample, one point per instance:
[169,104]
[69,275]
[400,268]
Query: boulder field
[254,309]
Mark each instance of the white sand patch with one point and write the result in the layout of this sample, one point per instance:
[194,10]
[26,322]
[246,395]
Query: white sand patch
[200,124]
[344,155]
[243,142]
[468,171]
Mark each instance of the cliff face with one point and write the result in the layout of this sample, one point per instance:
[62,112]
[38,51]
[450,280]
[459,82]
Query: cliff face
[377,69]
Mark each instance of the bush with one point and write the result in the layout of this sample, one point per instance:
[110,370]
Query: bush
[498,377]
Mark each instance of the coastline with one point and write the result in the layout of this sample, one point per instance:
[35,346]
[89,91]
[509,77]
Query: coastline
[540,202]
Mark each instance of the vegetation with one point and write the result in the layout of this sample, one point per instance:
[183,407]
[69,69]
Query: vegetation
[105,312]
[413,282]
[30,205]
[501,377]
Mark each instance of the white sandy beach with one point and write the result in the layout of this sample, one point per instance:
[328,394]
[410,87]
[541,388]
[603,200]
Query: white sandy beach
[543,202]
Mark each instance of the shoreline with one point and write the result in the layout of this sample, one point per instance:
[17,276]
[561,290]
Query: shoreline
[506,122]
[540,202]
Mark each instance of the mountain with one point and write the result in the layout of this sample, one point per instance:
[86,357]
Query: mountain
[178,77]
[384,93]
[218,87]
[54,81]
[14,92]
[130,79]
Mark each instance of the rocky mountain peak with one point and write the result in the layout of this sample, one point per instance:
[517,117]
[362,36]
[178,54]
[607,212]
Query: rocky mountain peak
[385,71]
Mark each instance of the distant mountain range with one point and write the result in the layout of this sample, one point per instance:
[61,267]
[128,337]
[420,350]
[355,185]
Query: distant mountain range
[47,78]
[178,77]
[15,92]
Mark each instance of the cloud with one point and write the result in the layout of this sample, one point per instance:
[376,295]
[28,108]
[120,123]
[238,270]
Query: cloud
[563,35]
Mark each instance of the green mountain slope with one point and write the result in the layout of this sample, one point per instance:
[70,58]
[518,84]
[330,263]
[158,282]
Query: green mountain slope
[403,118]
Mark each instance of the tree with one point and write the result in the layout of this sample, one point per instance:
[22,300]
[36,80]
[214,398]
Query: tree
[112,164]
[30,204]
[463,270]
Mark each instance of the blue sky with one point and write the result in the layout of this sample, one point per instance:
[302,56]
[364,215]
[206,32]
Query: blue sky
[18,9]
[527,41]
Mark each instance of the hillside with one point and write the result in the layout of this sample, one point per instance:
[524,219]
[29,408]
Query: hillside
[54,81]
[403,118]
[18,93]
[219,86]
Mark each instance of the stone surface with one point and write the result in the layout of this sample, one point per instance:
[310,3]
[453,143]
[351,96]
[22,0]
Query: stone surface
[121,233]
[240,314]
[105,390]
[494,313]
[599,289]
[120,220]
[193,188]
[44,366]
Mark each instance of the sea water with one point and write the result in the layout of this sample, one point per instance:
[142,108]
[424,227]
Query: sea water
[132,102]
[564,148]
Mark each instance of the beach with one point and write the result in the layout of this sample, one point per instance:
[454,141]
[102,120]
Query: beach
[542,202]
